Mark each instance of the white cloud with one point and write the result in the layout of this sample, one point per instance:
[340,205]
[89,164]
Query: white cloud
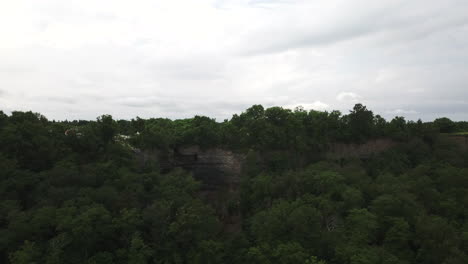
[348,97]
[401,112]
[317,105]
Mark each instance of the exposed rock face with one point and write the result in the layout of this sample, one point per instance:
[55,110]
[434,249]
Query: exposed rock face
[214,167]
[219,168]
[461,141]
[342,150]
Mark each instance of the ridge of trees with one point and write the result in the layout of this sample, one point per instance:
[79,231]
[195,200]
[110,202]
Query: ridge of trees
[81,197]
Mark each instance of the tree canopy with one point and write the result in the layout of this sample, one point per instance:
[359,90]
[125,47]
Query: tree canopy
[74,191]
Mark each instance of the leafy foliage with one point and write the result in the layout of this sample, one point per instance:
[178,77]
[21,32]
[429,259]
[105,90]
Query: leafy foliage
[75,192]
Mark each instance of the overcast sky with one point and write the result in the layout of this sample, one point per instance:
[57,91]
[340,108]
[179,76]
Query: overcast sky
[80,59]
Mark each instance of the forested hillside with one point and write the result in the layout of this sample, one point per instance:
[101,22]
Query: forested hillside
[80,191]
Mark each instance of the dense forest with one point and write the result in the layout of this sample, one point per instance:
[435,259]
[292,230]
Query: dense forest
[79,192]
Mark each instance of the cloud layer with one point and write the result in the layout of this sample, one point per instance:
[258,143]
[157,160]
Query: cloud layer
[80,59]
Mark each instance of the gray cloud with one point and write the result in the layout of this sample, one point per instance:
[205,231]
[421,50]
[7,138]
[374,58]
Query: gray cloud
[147,102]
[58,99]
[218,58]
[392,18]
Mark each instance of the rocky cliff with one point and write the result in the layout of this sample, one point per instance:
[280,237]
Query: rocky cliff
[460,140]
[217,167]
[343,150]
[214,167]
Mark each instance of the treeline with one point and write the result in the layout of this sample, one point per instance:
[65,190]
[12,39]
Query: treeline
[278,128]
[73,192]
